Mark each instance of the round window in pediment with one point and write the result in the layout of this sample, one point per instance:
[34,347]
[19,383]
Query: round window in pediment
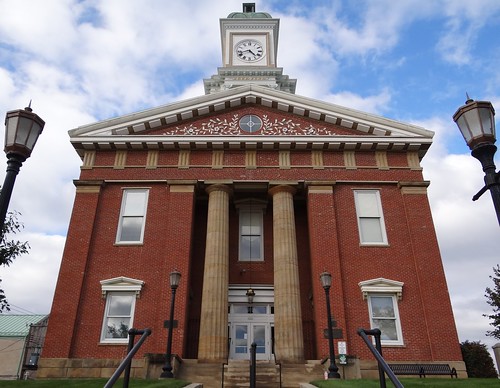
[250,123]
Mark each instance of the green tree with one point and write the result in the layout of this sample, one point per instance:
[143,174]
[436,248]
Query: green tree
[10,249]
[478,361]
[493,299]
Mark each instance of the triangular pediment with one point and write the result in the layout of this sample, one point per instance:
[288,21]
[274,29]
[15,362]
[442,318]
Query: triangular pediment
[121,283]
[271,122]
[289,121]
[381,285]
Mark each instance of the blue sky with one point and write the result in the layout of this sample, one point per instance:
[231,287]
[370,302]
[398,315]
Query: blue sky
[413,61]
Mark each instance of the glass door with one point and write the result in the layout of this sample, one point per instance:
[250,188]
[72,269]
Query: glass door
[240,343]
[244,334]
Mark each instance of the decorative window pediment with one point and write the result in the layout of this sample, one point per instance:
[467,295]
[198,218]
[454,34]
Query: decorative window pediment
[122,283]
[381,285]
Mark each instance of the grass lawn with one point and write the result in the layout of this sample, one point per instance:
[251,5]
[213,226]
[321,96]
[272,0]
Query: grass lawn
[411,383]
[93,383]
[173,383]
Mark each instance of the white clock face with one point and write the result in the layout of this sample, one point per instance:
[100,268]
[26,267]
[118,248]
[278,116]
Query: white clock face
[249,50]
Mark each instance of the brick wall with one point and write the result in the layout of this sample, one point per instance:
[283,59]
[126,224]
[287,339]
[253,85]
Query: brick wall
[327,239]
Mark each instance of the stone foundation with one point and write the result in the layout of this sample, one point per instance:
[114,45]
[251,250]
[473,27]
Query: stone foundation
[149,367]
[369,368]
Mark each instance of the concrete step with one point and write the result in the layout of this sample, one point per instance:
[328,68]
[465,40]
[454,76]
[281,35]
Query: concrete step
[237,374]
[209,375]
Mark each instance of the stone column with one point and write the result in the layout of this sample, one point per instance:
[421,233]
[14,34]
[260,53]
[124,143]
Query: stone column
[289,342]
[213,321]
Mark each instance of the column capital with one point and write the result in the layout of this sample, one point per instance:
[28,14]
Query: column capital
[282,189]
[219,187]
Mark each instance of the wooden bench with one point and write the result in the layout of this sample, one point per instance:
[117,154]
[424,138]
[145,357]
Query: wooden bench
[422,370]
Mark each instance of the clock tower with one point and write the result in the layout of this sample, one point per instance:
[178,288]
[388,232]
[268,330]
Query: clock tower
[249,51]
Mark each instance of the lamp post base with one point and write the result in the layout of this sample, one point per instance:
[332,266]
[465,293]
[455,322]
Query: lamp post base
[333,372]
[167,374]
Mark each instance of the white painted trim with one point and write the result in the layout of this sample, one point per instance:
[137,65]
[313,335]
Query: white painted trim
[121,283]
[381,285]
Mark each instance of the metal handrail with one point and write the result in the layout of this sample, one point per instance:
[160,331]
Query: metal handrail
[377,352]
[127,361]
[253,362]
[276,362]
[227,361]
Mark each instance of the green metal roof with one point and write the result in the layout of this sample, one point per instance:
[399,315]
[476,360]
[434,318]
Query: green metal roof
[249,15]
[17,325]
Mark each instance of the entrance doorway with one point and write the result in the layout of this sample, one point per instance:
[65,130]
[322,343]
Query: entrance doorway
[249,323]
[244,334]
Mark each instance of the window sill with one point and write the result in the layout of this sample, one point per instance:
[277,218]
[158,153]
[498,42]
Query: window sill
[125,343]
[128,244]
[374,245]
[393,345]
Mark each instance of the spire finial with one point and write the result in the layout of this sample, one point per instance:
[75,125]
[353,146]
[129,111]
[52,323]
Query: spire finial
[248,7]
[469,100]
[28,108]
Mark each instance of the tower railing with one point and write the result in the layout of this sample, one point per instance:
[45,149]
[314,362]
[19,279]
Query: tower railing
[377,352]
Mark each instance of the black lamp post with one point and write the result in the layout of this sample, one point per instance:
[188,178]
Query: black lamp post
[326,282]
[476,121]
[175,278]
[22,128]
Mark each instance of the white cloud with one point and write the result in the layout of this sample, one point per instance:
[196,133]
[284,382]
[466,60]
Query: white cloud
[25,26]
[373,26]
[30,281]
[373,104]
[464,20]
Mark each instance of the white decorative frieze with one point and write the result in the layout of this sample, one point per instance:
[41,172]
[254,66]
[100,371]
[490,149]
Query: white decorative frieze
[218,126]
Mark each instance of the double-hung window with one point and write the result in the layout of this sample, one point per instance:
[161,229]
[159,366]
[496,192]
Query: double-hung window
[382,296]
[121,294]
[384,316]
[251,230]
[370,217]
[118,316]
[132,216]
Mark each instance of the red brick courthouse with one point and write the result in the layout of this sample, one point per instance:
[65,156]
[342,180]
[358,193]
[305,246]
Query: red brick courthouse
[249,186]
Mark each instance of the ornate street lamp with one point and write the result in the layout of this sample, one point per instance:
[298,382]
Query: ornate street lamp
[175,278]
[476,121]
[22,128]
[326,282]
[250,295]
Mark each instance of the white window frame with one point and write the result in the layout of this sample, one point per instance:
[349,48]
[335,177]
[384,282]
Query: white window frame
[382,287]
[109,296]
[119,286]
[377,215]
[124,216]
[256,210]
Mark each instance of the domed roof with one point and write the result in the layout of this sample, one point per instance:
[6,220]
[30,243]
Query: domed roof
[249,15]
